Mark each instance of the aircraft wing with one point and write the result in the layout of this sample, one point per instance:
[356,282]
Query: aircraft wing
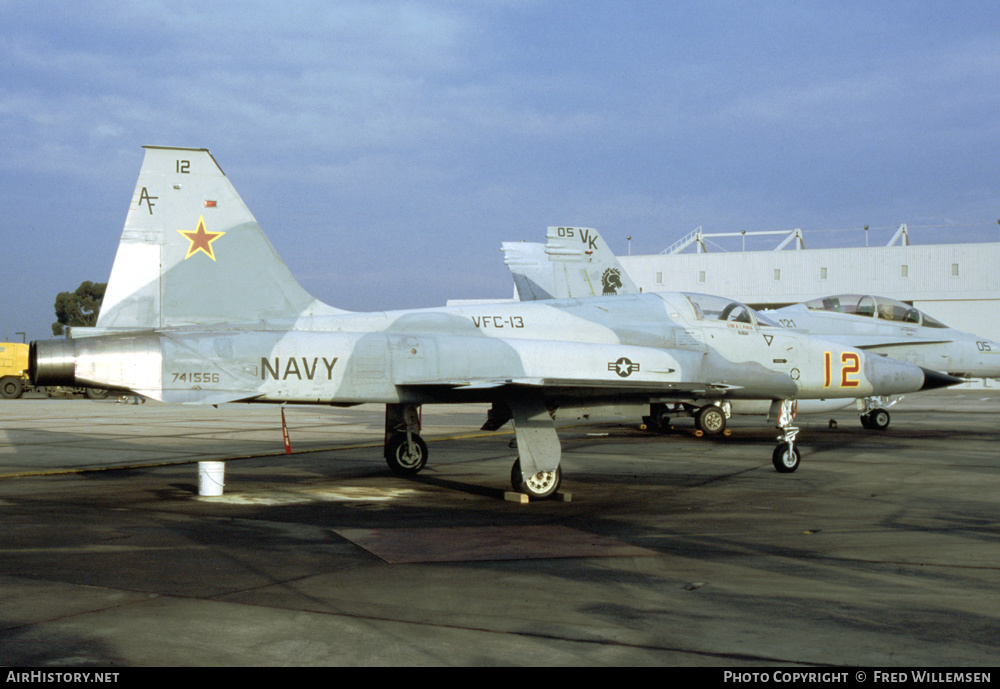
[577,388]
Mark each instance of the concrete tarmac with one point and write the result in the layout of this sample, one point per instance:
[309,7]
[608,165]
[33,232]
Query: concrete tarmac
[671,550]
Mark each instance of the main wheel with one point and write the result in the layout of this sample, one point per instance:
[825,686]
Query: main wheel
[541,485]
[96,393]
[711,420]
[403,458]
[786,458]
[878,419]
[11,387]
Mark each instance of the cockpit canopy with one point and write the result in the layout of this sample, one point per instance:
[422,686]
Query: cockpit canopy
[874,307]
[709,307]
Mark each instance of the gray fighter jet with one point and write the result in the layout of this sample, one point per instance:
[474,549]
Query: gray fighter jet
[568,264]
[892,328]
[201,310]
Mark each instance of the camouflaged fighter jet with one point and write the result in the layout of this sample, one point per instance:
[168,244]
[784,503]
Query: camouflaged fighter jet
[200,309]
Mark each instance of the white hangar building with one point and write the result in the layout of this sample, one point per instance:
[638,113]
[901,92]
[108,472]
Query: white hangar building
[958,284]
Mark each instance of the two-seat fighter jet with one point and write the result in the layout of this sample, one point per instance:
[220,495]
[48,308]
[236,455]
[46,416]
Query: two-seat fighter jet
[574,260]
[895,329]
[200,309]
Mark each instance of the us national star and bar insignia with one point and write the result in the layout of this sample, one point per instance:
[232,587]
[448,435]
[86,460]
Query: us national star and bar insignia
[624,367]
[201,240]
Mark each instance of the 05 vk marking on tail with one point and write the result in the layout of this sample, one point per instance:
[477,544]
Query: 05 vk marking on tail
[528,360]
[586,236]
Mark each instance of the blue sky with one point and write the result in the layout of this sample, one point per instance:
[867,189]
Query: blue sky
[387,148]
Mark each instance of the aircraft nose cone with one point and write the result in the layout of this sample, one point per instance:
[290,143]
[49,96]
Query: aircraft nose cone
[936,379]
[892,376]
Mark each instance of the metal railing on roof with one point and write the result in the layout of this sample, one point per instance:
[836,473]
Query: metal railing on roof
[697,238]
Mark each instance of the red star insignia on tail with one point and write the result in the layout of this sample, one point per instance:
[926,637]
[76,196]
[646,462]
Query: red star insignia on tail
[201,240]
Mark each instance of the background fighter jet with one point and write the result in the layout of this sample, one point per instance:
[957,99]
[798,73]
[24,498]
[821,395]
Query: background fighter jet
[571,264]
[200,309]
[895,329]
[875,324]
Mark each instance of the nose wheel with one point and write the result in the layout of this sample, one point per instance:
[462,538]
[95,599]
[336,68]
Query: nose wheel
[786,456]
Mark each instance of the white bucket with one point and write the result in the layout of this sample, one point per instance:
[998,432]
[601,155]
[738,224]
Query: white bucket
[211,478]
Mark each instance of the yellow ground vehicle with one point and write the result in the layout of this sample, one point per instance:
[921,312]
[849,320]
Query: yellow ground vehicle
[14,377]
[13,367]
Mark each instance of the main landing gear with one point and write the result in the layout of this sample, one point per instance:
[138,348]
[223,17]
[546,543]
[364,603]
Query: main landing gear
[405,451]
[538,444]
[536,471]
[874,414]
[542,484]
[786,456]
[709,419]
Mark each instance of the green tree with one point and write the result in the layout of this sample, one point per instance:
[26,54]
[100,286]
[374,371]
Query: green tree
[79,308]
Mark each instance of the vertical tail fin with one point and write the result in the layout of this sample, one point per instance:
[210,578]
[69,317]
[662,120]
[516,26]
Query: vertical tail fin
[584,265]
[576,262]
[191,253]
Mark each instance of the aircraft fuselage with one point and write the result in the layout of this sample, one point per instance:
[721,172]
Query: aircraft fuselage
[637,346]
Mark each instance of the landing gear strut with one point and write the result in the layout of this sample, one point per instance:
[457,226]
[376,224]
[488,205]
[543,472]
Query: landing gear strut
[786,456]
[709,419]
[405,451]
[537,444]
[874,414]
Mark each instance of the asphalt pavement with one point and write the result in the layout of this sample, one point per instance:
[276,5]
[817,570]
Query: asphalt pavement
[664,549]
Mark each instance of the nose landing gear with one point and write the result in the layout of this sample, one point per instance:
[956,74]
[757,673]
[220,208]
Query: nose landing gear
[786,456]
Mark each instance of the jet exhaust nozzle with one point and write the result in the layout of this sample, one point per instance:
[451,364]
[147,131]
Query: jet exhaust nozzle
[52,363]
[126,361]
